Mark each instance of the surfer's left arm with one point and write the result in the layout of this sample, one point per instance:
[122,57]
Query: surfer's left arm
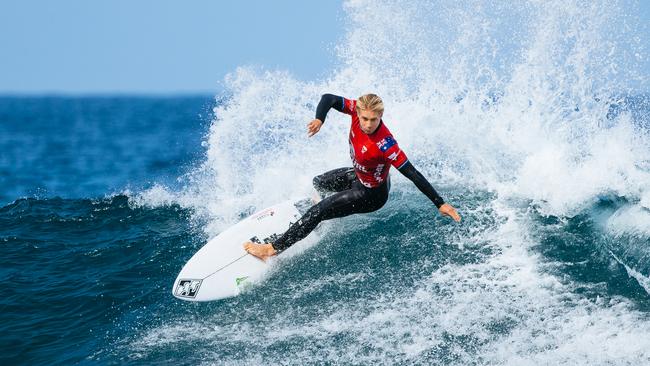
[409,171]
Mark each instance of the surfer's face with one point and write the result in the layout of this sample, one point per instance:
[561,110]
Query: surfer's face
[368,120]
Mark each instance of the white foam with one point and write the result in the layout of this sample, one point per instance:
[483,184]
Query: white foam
[630,220]
[644,281]
[510,98]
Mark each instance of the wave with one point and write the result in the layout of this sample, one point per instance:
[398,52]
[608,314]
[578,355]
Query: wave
[520,116]
[73,268]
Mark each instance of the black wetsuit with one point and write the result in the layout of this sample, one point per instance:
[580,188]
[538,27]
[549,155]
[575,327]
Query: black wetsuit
[351,195]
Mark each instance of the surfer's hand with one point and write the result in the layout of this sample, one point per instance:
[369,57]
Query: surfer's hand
[313,127]
[449,210]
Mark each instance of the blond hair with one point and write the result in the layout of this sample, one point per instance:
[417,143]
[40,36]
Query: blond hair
[370,102]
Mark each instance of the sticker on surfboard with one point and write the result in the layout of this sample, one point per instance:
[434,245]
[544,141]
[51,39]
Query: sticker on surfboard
[188,288]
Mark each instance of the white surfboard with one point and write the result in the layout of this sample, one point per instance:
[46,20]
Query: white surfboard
[222,268]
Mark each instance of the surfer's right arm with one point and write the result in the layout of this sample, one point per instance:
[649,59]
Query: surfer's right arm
[327,102]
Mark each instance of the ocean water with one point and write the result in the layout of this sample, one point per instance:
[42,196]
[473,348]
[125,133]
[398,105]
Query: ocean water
[531,119]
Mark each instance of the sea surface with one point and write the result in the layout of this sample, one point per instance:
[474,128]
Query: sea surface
[528,118]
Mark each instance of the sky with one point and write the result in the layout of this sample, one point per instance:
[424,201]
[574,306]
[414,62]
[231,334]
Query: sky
[159,46]
[164,46]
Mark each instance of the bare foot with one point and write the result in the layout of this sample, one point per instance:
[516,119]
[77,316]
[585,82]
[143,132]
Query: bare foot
[261,251]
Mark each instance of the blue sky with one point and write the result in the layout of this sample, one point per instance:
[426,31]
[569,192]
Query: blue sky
[159,46]
[164,46]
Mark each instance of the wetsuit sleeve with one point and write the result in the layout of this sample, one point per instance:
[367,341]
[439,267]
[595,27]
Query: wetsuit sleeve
[327,102]
[409,171]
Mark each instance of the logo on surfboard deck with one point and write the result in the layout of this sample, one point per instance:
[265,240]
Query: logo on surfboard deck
[264,214]
[239,280]
[243,283]
[188,288]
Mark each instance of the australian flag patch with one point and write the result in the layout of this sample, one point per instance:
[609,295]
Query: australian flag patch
[386,143]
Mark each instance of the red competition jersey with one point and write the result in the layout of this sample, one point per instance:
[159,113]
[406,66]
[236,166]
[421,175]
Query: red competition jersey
[371,153]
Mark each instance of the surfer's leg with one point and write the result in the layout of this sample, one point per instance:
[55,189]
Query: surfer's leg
[336,180]
[357,199]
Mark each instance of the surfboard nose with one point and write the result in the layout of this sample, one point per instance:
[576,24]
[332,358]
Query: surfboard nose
[222,268]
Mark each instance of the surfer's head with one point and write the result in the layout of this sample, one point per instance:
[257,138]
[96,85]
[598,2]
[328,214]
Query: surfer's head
[370,108]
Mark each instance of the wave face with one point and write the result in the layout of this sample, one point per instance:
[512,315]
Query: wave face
[525,117]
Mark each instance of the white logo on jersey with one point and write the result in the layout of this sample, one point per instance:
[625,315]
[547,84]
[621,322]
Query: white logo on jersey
[393,156]
[359,166]
[377,175]
[363,149]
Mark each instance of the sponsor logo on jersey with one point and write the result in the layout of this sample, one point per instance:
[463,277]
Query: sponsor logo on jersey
[378,171]
[363,149]
[393,156]
[386,143]
[359,166]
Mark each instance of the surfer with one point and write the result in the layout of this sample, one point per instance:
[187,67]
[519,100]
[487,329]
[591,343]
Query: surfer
[362,188]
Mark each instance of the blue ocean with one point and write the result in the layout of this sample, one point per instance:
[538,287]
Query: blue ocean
[531,119]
